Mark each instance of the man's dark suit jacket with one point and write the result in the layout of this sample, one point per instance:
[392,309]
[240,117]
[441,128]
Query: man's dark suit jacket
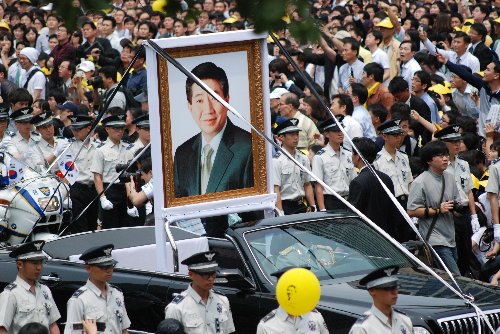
[423,109]
[232,169]
[484,54]
[368,196]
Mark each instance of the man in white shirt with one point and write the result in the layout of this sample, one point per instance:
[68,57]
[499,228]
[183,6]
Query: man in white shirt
[359,95]
[33,79]
[459,55]
[342,105]
[372,41]
[409,65]
[352,70]
[108,26]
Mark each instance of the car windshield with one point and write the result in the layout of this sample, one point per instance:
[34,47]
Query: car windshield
[332,248]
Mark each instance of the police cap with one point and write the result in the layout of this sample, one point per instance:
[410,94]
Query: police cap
[4,111]
[381,278]
[23,115]
[43,119]
[142,121]
[115,121]
[29,251]
[203,262]
[288,126]
[80,121]
[99,256]
[449,133]
[331,125]
[391,127]
[170,326]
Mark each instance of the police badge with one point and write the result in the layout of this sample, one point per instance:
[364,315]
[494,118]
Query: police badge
[45,294]
[312,326]
[118,302]
[219,307]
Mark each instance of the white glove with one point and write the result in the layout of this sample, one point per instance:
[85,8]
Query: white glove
[133,212]
[474,222]
[67,204]
[61,147]
[5,142]
[105,203]
[496,232]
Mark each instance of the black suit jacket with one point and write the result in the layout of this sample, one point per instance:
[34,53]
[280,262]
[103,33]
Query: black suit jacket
[422,108]
[368,196]
[484,54]
[232,169]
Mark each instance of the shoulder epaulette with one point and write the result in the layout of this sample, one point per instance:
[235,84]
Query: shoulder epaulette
[34,133]
[114,286]
[218,292]
[101,144]
[277,155]
[402,152]
[315,310]
[362,318]
[129,146]
[177,299]
[10,286]
[496,160]
[79,292]
[346,149]
[398,311]
[269,316]
[70,140]
[320,152]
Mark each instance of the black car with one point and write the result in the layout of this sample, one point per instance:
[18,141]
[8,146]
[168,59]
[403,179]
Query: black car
[339,247]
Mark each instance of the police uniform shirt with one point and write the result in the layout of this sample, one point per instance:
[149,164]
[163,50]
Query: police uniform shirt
[278,321]
[398,170]
[147,189]
[200,318]
[108,156]
[84,160]
[374,321]
[426,189]
[45,149]
[19,306]
[289,177]
[493,185]
[25,151]
[336,170]
[463,179]
[6,139]
[88,303]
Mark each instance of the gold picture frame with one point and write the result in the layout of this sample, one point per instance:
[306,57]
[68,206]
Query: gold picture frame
[254,52]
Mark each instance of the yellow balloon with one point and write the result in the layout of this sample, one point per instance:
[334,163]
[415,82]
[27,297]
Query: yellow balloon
[298,291]
[158,5]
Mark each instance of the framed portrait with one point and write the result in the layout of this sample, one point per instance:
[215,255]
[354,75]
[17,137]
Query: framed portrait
[207,153]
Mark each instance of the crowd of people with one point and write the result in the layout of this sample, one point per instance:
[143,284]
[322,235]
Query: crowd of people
[415,86]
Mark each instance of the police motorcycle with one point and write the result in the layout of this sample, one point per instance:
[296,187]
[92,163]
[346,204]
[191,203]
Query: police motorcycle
[32,208]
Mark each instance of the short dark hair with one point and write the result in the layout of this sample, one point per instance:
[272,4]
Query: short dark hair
[398,85]
[360,91]
[115,111]
[377,34]
[376,70]
[366,147]
[207,70]
[34,328]
[480,29]
[109,72]
[431,149]
[20,95]
[354,44]
[291,98]
[400,110]
[461,34]
[378,110]
[414,47]
[345,100]
[425,79]
[110,19]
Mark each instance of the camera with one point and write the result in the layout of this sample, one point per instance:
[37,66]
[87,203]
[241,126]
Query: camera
[131,171]
[277,76]
[459,207]
[96,82]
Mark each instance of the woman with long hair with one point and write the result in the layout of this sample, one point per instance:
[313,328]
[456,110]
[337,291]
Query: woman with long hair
[31,36]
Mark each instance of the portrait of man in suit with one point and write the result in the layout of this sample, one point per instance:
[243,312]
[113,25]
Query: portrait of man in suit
[219,157]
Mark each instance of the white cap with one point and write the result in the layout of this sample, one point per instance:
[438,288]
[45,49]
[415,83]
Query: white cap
[276,93]
[86,66]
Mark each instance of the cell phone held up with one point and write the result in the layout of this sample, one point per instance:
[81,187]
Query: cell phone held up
[423,27]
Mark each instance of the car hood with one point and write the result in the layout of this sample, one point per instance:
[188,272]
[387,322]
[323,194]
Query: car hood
[419,292]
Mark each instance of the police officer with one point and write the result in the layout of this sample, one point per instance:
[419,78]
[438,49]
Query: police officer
[382,284]
[22,146]
[396,164]
[279,321]
[465,217]
[5,134]
[44,125]
[82,192]
[110,153]
[98,300]
[26,300]
[291,184]
[333,164]
[142,125]
[201,309]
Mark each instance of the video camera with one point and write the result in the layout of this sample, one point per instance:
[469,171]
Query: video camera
[96,82]
[132,171]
